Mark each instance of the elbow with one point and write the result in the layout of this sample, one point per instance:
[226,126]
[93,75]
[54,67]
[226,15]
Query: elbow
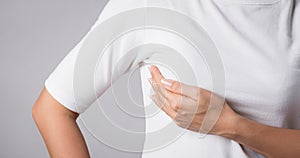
[39,113]
[35,113]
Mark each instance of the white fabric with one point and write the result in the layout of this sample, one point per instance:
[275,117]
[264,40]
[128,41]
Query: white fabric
[258,41]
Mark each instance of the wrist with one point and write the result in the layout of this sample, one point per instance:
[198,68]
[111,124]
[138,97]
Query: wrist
[232,130]
[229,123]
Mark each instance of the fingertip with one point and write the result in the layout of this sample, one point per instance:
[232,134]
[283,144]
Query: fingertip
[154,68]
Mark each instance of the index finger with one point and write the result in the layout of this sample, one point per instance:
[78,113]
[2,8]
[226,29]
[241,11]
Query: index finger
[156,74]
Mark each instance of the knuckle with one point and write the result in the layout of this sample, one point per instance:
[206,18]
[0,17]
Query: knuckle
[176,107]
[179,121]
[204,93]
[202,101]
[179,124]
[169,97]
[176,85]
[201,93]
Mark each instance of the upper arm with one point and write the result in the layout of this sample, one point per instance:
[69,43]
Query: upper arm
[58,128]
[47,104]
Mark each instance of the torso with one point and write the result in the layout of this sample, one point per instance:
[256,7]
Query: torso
[260,49]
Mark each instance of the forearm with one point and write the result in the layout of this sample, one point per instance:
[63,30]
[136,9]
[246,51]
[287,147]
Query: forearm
[63,139]
[58,128]
[269,141]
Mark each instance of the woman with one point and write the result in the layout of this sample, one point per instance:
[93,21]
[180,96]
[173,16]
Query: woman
[258,42]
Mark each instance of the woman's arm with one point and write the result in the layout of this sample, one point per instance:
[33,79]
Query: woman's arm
[58,128]
[174,97]
[269,141]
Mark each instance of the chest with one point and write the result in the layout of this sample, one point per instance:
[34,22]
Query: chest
[260,60]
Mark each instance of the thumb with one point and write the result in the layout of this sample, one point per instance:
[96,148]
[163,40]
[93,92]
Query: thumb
[181,88]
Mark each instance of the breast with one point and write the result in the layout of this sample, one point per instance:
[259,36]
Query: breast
[265,89]
[191,146]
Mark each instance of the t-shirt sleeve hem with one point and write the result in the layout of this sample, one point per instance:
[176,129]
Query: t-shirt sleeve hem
[59,97]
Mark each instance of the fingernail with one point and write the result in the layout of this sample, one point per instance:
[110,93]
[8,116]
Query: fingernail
[149,68]
[166,82]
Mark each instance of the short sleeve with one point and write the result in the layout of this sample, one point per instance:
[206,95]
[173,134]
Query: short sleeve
[60,82]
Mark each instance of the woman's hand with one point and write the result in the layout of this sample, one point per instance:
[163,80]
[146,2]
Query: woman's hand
[188,105]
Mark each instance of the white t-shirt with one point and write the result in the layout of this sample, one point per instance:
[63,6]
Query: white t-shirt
[258,42]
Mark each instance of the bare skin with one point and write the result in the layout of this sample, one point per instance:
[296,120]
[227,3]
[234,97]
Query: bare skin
[63,138]
[174,97]
[58,128]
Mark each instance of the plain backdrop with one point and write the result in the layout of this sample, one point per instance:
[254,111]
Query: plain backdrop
[35,35]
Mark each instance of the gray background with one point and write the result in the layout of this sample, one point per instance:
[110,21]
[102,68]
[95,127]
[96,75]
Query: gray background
[35,35]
